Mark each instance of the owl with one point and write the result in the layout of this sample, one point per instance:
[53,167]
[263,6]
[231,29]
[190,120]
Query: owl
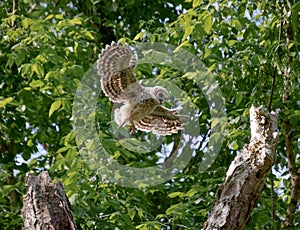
[141,107]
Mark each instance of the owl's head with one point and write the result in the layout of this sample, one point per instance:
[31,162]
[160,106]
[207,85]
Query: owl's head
[160,93]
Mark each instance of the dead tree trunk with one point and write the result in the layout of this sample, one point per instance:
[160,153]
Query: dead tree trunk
[45,205]
[246,175]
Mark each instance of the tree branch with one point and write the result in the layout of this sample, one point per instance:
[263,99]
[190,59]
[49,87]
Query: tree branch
[288,138]
[295,177]
[46,205]
[8,150]
[170,159]
[246,175]
[15,8]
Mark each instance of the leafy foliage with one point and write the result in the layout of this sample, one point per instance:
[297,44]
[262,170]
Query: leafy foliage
[46,47]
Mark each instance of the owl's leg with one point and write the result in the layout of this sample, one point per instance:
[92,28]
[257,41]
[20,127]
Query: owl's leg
[131,128]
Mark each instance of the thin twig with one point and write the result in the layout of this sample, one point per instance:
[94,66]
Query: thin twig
[32,7]
[15,8]
[275,69]
[272,89]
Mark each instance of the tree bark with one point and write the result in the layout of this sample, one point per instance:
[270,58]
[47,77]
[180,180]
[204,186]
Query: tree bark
[46,205]
[295,176]
[288,138]
[246,175]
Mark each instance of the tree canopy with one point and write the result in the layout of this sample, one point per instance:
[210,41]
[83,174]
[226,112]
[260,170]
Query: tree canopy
[47,47]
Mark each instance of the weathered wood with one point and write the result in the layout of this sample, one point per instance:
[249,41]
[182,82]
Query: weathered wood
[246,175]
[45,205]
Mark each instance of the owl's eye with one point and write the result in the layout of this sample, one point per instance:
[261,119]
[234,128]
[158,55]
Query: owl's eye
[161,95]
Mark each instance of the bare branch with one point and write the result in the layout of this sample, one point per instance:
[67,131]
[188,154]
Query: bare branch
[15,8]
[295,177]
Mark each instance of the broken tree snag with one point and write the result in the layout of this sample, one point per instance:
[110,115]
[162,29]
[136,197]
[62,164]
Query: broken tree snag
[45,204]
[246,175]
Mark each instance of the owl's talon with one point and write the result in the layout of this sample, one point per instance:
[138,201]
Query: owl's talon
[142,106]
[131,129]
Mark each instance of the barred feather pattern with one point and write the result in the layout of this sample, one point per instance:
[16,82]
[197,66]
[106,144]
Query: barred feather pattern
[161,121]
[115,67]
[141,106]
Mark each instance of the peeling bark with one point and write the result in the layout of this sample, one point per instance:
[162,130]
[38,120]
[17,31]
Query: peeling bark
[46,205]
[246,175]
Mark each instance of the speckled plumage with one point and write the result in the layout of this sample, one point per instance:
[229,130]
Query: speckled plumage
[142,106]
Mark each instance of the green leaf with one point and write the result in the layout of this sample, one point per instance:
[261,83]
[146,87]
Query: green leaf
[89,35]
[67,105]
[295,18]
[139,35]
[76,21]
[25,69]
[59,16]
[294,119]
[38,69]
[188,30]
[54,106]
[63,149]
[173,209]
[239,98]
[215,122]
[231,42]
[36,83]
[196,3]
[234,146]
[208,24]
[183,44]
[29,142]
[191,192]
[131,213]
[140,213]
[11,61]
[5,101]
[290,45]
[175,194]
[50,16]
[76,47]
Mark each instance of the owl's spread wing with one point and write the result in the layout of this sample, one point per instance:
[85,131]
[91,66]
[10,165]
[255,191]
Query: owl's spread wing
[115,67]
[162,121]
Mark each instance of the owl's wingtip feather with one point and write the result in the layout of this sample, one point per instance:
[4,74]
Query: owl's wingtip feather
[118,82]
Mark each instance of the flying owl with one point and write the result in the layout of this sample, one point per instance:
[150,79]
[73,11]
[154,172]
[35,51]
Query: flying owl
[141,106]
